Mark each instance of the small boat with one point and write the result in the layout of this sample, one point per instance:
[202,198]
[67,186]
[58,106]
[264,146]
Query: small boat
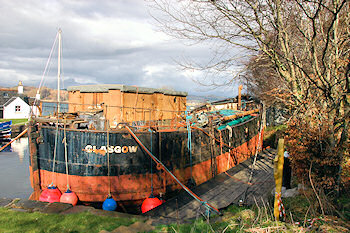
[5,125]
[5,134]
[102,145]
[5,131]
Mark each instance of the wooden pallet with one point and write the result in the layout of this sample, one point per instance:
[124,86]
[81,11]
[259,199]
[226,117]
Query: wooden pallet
[225,189]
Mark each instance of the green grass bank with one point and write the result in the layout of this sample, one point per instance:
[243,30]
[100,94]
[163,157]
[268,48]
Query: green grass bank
[16,121]
[302,215]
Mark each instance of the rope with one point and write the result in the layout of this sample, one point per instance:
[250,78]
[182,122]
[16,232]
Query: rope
[151,164]
[256,152]
[221,142]
[136,99]
[229,143]
[54,154]
[65,152]
[46,66]
[254,162]
[218,140]
[213,137]
[109,179]
[189,140]
[170,173]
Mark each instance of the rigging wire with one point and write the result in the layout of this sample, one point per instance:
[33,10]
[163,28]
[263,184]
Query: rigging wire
[54,154]
[65,152]
[46,66]
[42,81]
[61,66]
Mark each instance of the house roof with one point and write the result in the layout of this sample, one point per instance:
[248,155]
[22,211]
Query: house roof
[123,88]
[26,99]
[6,95]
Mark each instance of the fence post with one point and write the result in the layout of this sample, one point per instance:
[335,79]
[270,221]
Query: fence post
[278,173]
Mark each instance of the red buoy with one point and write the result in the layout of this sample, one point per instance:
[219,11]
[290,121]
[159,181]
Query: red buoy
[150,203]
[69,197]
[51,194]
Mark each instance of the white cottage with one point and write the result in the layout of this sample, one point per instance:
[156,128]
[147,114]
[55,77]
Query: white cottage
[15,105]
[16,108]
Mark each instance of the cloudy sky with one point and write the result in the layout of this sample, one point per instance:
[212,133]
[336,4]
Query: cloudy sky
[103,42]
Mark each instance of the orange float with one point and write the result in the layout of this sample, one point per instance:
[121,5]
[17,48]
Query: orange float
[51,194]
[69,197]
[150,203]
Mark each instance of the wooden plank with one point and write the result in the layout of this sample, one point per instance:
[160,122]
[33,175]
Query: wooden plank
[223,190]
[223,197]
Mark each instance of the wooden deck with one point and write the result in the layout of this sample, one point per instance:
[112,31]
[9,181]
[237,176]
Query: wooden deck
[225,189]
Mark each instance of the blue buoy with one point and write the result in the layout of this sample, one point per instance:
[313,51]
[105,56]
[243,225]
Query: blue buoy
[109,204]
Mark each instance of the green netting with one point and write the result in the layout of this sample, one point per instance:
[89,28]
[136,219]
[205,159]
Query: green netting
[235,122]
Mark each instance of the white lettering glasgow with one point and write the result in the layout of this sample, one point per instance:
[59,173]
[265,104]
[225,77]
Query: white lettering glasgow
[111,149]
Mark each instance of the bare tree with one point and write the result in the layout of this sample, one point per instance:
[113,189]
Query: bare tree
[302,45]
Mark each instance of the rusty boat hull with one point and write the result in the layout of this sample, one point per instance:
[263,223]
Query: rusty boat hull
[131,175]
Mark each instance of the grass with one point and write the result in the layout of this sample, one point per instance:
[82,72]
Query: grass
[260,219]
[275,128]
[21,121]
[299,218]
[14,221]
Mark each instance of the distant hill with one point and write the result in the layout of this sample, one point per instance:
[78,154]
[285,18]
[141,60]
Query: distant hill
[46,93]
[204,99]
[195,101]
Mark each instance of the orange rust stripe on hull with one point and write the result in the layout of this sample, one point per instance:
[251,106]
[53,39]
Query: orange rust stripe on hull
[135,187]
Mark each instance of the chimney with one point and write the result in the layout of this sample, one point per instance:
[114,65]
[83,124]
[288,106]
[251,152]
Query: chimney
[37,96]
[20,88]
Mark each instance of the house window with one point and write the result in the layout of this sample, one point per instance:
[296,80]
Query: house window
[17,108]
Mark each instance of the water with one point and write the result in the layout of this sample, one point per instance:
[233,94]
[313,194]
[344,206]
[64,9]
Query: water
[14,171]
[48,108]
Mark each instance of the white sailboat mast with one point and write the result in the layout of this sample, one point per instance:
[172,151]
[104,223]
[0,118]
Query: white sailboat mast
[59,71]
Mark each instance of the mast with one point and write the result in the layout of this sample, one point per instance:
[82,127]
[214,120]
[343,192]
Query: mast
[59,71]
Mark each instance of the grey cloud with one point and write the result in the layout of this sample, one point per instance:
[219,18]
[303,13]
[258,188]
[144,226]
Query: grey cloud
[101,44]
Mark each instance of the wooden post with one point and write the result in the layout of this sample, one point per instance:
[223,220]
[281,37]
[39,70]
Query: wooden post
[278,173]
[34,167]
[161,172]
[239,97]
[212,148]
[106,118]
